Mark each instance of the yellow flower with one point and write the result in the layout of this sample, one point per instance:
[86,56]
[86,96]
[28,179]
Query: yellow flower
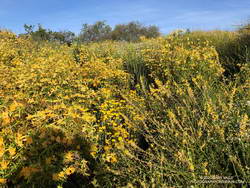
[1,141]
[19,139]
[70,170]
[191,167]
[111,158]
[205,171]
[14,106]
[93,154]
[106,148]
[27,171]
[3,180]
[243,124]
[55,177]
[2,150]
[172,116]
[6,118]
[31,100]
[29,140]
[69,157]
[12,151]
[205,164]
[61,175]
[88,118]
[4,165]
[93,148]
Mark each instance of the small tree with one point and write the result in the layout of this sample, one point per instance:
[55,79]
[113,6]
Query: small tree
[133,31]
[29,28]
[42,34]
[97,32]
[152,31]
[64,37]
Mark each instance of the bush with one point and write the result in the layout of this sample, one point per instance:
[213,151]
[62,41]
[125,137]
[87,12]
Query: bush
[72,116]
[232,48]
[194,125]
[53,108]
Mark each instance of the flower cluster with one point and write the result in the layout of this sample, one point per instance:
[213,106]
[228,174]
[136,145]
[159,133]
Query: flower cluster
[55,108]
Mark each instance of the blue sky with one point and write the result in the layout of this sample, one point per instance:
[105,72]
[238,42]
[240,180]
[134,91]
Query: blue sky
[168,15]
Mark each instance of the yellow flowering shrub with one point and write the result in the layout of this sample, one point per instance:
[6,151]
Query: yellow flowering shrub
[179,59]
[68,112]
[194,123]
[196,127]
[57,114]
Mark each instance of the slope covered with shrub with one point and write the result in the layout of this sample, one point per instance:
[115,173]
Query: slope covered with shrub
[112,114]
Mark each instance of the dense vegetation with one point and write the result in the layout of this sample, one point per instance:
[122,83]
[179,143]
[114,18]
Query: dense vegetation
[161,112]
[99,31]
